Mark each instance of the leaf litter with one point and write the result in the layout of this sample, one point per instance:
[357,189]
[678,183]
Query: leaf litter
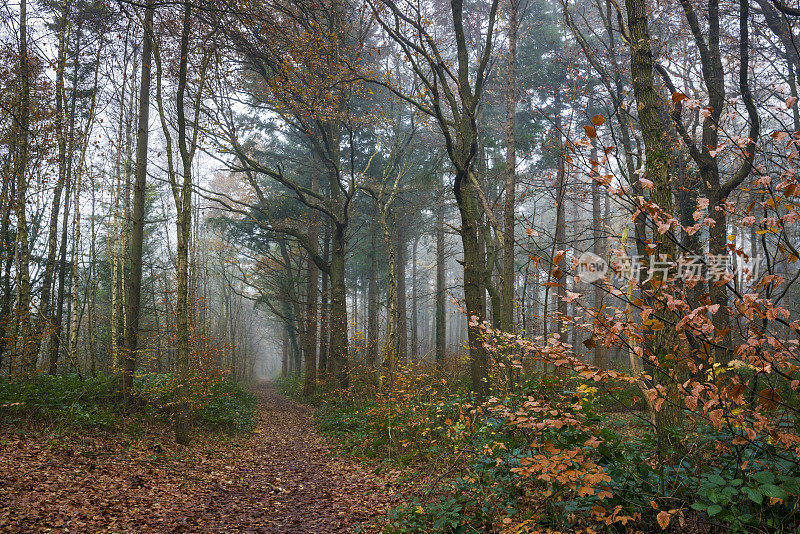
[283,478]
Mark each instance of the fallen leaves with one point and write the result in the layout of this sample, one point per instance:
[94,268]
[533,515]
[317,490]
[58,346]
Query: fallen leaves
[280,479]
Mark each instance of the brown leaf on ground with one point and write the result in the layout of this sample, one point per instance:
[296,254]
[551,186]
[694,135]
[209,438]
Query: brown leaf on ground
[280,479]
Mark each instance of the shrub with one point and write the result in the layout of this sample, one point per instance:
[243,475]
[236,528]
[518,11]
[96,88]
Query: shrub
[67,400]
[230,408]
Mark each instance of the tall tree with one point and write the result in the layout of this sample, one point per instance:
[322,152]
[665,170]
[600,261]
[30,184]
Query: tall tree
[439,314]
[181,184]
[310,379]
[130,344]
[716,188]
[21,144]
[507,315]
[453,92]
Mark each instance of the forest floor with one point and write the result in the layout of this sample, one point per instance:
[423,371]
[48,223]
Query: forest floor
[282,478]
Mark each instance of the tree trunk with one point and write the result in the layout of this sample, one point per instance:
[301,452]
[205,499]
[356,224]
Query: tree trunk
[61,141]
[8,256]
[338,360]
[474,288]
[392,297]
[598,246]
[311,298]
[75,317]
[285,352]
[535,301]
[22,254]
[372,299]
[656,170]
[507,315]
[414,324]
[324,311]
[130,344]
[439,297]
[183,200]
[560,231]
[55,336]
[400,276]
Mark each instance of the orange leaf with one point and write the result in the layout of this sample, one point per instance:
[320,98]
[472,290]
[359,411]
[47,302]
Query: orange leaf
[590,131]
[778,136]
[716,418]
[663,519]
[679,97]
[598,120]
[769,398]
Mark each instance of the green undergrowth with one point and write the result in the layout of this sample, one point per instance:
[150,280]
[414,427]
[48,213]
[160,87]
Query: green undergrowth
[70,402]
[465,464]
[291,386]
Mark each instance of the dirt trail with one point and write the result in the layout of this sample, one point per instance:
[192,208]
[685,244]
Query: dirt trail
[282,480]
[296,483]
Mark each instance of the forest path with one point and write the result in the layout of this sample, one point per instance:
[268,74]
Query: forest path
[294,484]
[282,479]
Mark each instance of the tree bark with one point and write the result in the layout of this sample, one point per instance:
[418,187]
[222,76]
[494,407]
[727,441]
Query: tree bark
[311,298]
[474,288]
[414,324]
[22,254]
[372,299]
[400,276]
[507,315]
[560,231]
[440,330]
[392,294]
[130,344]
[183,200]
[61,141]
[598,246]
[338,358]
[325,310]
[657,171]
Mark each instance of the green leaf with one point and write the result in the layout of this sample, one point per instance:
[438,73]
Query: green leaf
[764,477]
[716,479]
[790,484]
[714,509]
[727,493]
[753,494]
[771,490]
